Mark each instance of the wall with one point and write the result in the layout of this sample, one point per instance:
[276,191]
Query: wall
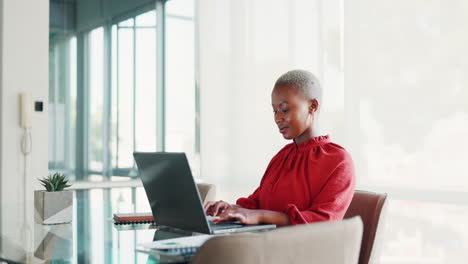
[23,67]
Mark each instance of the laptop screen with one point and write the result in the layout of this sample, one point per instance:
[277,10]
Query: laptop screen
[171,190]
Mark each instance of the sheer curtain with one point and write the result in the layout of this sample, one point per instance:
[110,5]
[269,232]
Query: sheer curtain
[405,81]
[393,76]
[244,46]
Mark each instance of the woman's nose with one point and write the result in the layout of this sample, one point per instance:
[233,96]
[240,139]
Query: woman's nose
[278,117]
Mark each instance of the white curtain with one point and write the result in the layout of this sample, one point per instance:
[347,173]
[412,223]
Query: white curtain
[394,76]
[244,47]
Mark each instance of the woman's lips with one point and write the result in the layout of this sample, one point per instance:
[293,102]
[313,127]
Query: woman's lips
[283,130]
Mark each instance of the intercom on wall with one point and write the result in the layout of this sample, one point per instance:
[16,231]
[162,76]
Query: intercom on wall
[26,112]
[26,109]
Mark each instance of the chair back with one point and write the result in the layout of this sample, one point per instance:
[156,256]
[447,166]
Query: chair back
[370,207]
[324,242]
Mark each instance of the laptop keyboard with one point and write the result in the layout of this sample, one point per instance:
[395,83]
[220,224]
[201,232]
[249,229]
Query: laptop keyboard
[224,225]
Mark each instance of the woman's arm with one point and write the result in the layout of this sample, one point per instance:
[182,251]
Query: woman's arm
[273,217]
[332,201]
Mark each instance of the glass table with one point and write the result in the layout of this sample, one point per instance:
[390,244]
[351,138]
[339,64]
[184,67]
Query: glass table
[92,237]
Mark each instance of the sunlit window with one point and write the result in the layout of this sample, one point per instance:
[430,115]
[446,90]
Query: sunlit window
[117,77]
[134,90]
[62,105]
[96,96]
[180,82]
[124,91]
[145,82]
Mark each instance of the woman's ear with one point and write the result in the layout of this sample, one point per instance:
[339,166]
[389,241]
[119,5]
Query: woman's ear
[313,106]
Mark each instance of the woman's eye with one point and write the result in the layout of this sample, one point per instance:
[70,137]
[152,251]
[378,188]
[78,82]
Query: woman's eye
[284,111]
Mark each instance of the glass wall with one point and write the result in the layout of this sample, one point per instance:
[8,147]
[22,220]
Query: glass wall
[113,87]
[134,94]
[181,135]
[95,97]
[103,106]
[62,105]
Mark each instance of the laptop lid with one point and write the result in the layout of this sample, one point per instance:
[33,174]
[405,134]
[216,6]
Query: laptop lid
[171,190]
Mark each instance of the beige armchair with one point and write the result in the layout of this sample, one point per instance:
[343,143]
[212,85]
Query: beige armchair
[323,243]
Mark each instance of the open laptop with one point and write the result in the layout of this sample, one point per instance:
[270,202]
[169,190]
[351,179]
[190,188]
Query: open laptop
[173,195]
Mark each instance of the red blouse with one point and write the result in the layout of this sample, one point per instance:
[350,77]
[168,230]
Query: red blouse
[312,181]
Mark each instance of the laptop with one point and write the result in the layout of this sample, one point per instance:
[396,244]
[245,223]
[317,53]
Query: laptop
[174,197]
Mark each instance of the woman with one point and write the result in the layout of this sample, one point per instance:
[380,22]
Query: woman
[310,179]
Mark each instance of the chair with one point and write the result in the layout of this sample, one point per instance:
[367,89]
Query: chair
[325,243]
[207,192]
[370,207]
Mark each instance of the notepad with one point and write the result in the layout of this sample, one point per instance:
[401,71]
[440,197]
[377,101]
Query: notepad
[133,218]
[180,249]
[179,242]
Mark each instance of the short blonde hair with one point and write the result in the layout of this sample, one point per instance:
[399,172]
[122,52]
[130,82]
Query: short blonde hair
[304,81]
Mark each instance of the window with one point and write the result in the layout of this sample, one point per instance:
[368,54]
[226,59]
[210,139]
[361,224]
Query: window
[96,99]
[113,86]
[180,80]
[62,105]
[134,93]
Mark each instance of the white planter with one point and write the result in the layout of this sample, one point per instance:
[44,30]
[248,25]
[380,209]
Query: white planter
[56,244]
[53,207]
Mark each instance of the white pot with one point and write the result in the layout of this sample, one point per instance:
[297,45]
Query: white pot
[53,207]
[56,242]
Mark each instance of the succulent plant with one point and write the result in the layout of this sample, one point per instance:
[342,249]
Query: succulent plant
[55,183]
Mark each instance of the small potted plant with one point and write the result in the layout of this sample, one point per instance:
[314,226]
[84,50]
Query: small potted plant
[54,205]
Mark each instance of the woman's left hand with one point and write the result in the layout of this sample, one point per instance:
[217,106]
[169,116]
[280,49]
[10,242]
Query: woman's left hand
[243,215]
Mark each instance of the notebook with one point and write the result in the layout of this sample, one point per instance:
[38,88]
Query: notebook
[177,243]
[181,248]
[133,218]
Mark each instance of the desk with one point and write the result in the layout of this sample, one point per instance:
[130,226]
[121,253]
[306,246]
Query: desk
[92,237]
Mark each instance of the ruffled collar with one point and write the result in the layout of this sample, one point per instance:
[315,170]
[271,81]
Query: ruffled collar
[315,141]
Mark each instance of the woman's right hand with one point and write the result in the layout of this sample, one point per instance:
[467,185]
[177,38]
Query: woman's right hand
[216,208]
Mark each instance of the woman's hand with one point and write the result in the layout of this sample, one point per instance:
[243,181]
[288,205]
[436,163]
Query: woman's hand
[223,211]
[243,215]
[215,208]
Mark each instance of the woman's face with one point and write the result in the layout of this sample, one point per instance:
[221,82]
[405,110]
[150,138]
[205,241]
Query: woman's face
[292,112]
